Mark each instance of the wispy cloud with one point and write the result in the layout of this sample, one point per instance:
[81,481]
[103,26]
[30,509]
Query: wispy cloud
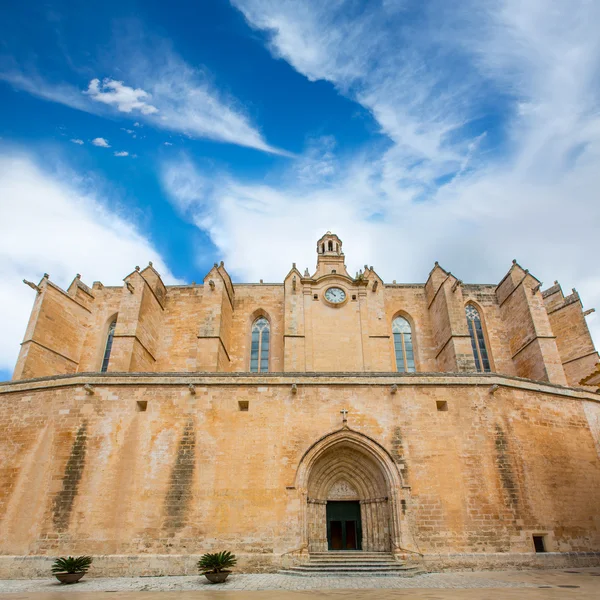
[155,85]
[70,214]
[101,142]
[78,141]
[440,190]
[122,153]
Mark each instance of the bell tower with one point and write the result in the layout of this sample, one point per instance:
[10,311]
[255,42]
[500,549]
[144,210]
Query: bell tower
[330,258]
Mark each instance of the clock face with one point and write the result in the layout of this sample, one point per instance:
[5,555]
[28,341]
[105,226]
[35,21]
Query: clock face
[335,295]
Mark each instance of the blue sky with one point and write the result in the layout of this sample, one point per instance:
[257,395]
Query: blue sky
[190,132]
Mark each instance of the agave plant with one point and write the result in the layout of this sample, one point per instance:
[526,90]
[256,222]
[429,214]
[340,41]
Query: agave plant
[216,562]
[72,564]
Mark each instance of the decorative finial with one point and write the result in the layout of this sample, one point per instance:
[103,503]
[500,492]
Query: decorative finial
[514,261]
[149,263]
[78,276]
[137,267]
[306,273]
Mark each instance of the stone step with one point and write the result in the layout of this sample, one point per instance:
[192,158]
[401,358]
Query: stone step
[349,553]
[353,563]
[342,558]
[400,571]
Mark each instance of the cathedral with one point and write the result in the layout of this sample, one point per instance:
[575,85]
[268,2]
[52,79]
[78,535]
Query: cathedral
[444,424]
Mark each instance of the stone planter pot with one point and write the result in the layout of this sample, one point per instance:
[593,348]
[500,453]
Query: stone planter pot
[69,577]
[217,577]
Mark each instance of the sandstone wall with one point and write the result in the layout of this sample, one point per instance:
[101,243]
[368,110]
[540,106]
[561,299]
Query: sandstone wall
[96,473]
[207,327]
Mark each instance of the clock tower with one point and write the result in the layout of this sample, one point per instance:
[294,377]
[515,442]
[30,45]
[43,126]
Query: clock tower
[330,258]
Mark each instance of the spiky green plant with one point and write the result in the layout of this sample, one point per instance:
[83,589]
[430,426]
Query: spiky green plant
[72,564]
[216,562]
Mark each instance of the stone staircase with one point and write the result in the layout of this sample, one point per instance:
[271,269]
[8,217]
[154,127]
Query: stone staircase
[352,564]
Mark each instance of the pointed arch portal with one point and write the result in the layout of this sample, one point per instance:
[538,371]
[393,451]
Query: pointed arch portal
[354,495]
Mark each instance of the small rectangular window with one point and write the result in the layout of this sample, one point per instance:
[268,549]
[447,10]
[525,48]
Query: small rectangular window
[316,297]
[243,405]
[442,405]
[539,544]
[142,405]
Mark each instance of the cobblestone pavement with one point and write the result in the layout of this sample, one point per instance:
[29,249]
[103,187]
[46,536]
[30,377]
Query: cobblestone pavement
[577,583]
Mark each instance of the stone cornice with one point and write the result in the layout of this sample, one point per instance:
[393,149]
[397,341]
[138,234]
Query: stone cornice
[300,379]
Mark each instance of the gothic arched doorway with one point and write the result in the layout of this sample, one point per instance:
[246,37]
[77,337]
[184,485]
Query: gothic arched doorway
[352,489]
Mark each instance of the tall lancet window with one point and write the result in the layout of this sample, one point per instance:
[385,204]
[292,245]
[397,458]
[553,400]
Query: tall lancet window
[259,353]
[482,362]
[403,345]
[109,343]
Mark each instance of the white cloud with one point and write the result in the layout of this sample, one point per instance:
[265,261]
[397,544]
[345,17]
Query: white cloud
[168,144]
[77,141]
[122,153]
[125,98]
[72,233]
[536,200]
[101,142]
[161,90]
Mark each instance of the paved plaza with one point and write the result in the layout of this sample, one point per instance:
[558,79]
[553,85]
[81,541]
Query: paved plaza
[488,585]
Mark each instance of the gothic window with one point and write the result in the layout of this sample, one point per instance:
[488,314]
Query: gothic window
[482,362]
[109,343]
[259,353]
[330,246]
[403,345]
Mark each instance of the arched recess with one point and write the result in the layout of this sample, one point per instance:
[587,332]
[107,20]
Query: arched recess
[107,341]
[255,317]
[348,465]
[415,346]
[480,345]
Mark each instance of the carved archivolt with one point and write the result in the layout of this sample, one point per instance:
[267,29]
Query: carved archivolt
[347,465]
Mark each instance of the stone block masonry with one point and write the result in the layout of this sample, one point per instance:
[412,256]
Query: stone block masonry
[147,424]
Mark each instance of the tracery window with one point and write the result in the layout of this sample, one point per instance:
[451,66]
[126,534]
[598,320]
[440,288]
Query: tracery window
[259,352]
[480,353]
[109,343]
[403,345]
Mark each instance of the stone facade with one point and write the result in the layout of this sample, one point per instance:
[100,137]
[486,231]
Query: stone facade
[178,449]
